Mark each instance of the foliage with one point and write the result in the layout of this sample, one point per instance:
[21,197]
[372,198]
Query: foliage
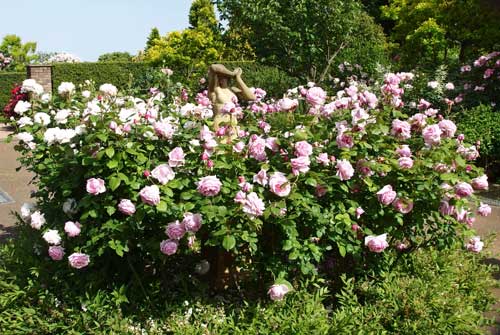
[429,32]
[121,73]
[154,35]
[312,168]
[202,16]
[307,38]
[482,123]
[117,56]
[7,82]
[21,53]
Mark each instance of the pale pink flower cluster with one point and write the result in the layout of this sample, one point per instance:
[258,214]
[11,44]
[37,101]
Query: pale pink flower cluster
[376,244]
[278,291]
[176,230]
[475,245]
[209,186]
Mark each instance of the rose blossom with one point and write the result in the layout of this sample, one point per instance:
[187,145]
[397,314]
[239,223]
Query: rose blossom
[175,230]
[484,210]
[95,186]
[448,128]
[279,184]
[345,170]
[257,148]
[300,165]
[56,252]
[66,88]
[386,195]
[240,197]
[277,292]
[463,189]
[432,134]
[480,183]
[209,186]
[401,129]
[72,228]
[108,90]
[287,104]
[403,205]
[192,222]
[163,173]
[376,243]
[52,236]
[78,260]
[37,220]
[169,247]
[323,159]
[253,206]
[475,244]
[303,148]
[316,96]
[126,207]
[446,209]
[359,212]
[403,151]
[150,195]
[176,157]
[405,162]
[261,178]
[26,210]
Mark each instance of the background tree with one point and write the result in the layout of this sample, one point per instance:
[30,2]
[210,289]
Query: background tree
[306,38]
[116,56]
[202,16]
[21,54]
[152,38]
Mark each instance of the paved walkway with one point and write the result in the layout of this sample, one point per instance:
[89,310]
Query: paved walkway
[15,184]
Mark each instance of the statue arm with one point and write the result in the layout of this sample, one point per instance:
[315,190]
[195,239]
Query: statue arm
[243,89]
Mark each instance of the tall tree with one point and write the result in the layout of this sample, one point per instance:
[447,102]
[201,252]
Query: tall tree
[21,53]
[202,16]
[307,38]
[153,37]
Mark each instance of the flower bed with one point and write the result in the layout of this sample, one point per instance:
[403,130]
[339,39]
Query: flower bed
[303,182]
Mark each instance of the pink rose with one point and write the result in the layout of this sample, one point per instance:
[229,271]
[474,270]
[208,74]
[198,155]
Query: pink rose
[405,162]
[344,141]
[240,197]
[192,222]
[300,165]
[475,244]
[261,178]
[386,195]
[359,211]
[72,228]
[257,148]
[78,260]
[446,209]
[169,247]
[277,292]
[432,135]
[423,104]
[463,190]
[403,151]
[484,210]
[448,128]
[316,96]
[253,206]
[175,230]
[323,159]
[163,173]
[272,143]
[401,129]
[403,205]
[126,207]
[303,148]
[238,147]
[209,186]
[95,186]
[279,184]
[164,129]
[37,220]
[56,252]
[287,104]
[176,157]
[376,243]
[418,121]
[150,195]
[345,171]
[480,183]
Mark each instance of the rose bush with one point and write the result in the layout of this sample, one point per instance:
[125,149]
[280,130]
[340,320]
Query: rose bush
[301,180]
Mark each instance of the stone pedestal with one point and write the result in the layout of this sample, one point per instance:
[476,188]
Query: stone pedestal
[42,74]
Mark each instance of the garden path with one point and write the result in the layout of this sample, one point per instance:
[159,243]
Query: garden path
[15,190]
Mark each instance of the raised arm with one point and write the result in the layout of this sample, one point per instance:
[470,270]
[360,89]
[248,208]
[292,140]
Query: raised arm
[245,92]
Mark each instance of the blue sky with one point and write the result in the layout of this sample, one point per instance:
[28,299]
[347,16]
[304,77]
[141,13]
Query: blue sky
[89,28]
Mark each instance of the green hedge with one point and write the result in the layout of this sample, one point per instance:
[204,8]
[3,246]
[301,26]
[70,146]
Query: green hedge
[7,82]
[120,74]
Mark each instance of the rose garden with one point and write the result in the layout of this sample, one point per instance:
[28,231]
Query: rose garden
[344,204]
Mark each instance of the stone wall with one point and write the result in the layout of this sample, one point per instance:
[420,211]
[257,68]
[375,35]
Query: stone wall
[42,74]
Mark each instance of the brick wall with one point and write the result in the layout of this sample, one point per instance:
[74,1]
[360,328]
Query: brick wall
[42,74]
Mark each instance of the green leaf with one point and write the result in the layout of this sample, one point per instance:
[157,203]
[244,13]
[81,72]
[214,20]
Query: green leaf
[112,164]
[228,242]
[111,210]
[110,152]
[342,250]
[162,206]
[114,182]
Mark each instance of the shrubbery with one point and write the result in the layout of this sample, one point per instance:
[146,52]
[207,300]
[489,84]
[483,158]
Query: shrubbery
[7,82]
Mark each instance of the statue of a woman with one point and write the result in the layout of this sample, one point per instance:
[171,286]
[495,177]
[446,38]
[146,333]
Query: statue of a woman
[220,93]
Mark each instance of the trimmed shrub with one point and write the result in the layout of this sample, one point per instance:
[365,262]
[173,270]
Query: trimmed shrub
[120,74]
[7,82]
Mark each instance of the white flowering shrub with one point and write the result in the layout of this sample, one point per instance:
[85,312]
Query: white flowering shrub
[301,184]
[64,57]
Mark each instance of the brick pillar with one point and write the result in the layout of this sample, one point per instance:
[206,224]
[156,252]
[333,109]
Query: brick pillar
[42,74]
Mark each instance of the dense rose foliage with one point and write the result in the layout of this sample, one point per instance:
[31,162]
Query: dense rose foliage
[300,178]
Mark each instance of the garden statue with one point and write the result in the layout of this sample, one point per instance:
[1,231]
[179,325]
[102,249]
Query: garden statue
[223,97]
